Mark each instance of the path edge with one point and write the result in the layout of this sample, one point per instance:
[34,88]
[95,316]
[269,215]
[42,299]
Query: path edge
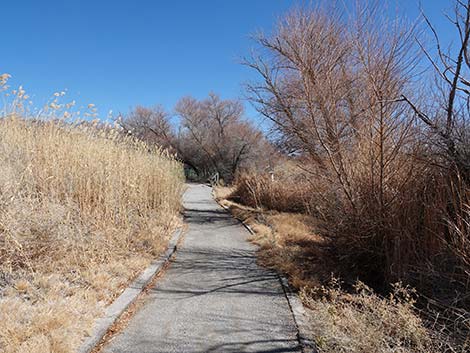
[307,343]
[130,294]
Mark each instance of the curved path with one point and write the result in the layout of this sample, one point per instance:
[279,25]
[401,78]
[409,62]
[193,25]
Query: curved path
[213,297]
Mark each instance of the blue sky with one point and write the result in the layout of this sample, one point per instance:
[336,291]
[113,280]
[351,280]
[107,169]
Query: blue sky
[117,54]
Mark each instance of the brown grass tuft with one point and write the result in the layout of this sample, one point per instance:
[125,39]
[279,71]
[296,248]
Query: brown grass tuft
[366,322]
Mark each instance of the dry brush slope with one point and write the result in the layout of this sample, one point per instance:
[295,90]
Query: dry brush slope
[82,210]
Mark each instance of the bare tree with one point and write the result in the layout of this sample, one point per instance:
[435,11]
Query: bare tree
[215,133]
[212,134]
[447,115]
[149,124]
[330,86]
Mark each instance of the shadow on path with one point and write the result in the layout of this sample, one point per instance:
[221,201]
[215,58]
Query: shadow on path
[213,297]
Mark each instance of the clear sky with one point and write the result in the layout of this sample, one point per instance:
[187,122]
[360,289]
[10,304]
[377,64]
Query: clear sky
[117,54]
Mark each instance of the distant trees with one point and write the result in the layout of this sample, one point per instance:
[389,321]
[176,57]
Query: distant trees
[210,136]
[215,135]
[151,124]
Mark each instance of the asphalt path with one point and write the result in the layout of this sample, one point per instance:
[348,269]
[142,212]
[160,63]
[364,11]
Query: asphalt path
[213,297]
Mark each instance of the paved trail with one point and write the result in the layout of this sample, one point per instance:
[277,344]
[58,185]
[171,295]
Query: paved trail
[213,297]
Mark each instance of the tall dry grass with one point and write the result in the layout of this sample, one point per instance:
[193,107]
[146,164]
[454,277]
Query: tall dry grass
[417,225]
[286,190]
[419,235]
[343,318]
[82,210]
[365,322]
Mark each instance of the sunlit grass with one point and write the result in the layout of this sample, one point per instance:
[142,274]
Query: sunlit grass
[82,210]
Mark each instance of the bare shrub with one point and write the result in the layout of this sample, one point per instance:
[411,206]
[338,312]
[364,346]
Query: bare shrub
[329,86]
[366,322]
[388,181]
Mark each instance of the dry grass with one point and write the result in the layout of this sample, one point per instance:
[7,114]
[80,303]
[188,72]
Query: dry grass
[349,319]
[288,242]
[418,233]
[289,191]
[365,322]
[82,211]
